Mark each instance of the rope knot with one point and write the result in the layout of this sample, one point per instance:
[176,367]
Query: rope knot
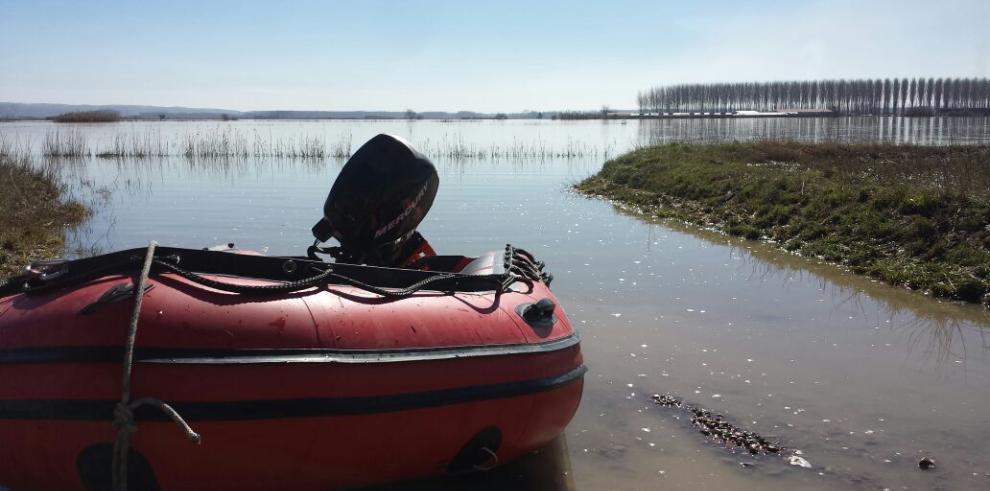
[123,418]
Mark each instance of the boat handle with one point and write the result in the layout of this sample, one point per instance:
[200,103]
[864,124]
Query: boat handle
[47,270]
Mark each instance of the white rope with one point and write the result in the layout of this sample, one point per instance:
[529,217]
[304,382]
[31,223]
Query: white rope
[123,413]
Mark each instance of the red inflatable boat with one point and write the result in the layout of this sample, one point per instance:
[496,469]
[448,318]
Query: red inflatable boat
[290,372]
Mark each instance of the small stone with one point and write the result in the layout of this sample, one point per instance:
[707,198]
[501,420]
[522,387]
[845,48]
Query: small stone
[926,464]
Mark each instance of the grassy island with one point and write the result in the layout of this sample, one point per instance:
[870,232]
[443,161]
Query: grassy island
[88,117]
[911,216]
[35,214]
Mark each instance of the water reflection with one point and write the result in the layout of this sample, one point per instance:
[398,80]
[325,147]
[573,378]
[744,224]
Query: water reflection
[548,469]
[863,377]
[937,330]
[847,129]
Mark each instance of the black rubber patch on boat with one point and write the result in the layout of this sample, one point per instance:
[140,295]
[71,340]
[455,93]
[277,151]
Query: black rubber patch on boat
[94,465]
[478,451]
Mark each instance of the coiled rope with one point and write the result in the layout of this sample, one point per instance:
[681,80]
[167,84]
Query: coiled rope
[285,286]
[440,282]
[519,267]
[123,414]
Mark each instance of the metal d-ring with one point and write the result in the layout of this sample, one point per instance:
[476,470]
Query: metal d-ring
[489,463]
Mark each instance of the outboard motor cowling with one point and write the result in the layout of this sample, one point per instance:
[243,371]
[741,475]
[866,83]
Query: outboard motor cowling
[381,195]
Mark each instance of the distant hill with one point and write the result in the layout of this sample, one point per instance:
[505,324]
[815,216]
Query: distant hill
[362,115]
[20,110]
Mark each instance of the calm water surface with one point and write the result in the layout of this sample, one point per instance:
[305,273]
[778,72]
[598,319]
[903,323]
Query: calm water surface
[861,378]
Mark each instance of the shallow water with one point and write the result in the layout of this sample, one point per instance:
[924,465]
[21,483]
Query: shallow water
[862,378]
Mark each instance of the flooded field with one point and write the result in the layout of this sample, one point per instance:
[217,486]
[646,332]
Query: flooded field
[858,379]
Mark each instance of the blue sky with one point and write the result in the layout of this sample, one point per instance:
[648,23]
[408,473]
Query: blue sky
[460,55]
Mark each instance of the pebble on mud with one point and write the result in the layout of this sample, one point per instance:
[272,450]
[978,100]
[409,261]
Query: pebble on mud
[926,464]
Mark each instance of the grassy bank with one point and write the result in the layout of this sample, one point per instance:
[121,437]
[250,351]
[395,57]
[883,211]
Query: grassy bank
[34,214]
[911,216]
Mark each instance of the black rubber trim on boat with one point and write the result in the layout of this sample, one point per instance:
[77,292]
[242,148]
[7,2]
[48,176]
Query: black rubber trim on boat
[83,270]
[114,354]
[97,410]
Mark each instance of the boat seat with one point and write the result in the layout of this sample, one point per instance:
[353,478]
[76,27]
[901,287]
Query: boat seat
[484,264]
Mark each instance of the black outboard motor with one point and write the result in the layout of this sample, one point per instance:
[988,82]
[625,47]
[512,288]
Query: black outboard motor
[381,195]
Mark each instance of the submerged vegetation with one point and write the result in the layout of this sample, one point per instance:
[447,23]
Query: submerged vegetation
[225,142]
[217,143]
[135,145]
[36,212]
[912,216]
[455,147]
[64,143]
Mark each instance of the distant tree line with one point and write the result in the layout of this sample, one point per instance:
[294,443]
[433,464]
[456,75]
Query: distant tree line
[577,115]
[908,96]
[605,112]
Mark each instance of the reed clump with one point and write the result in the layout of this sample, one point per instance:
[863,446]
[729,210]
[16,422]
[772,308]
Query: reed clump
[217,143]
[64,143]
[910,216]
[225,143]
[342,148]
[13,148]
[135,145]
[454,147]
[228,143]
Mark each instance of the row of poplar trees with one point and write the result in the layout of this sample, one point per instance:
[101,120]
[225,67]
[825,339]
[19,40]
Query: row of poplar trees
[869,96]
